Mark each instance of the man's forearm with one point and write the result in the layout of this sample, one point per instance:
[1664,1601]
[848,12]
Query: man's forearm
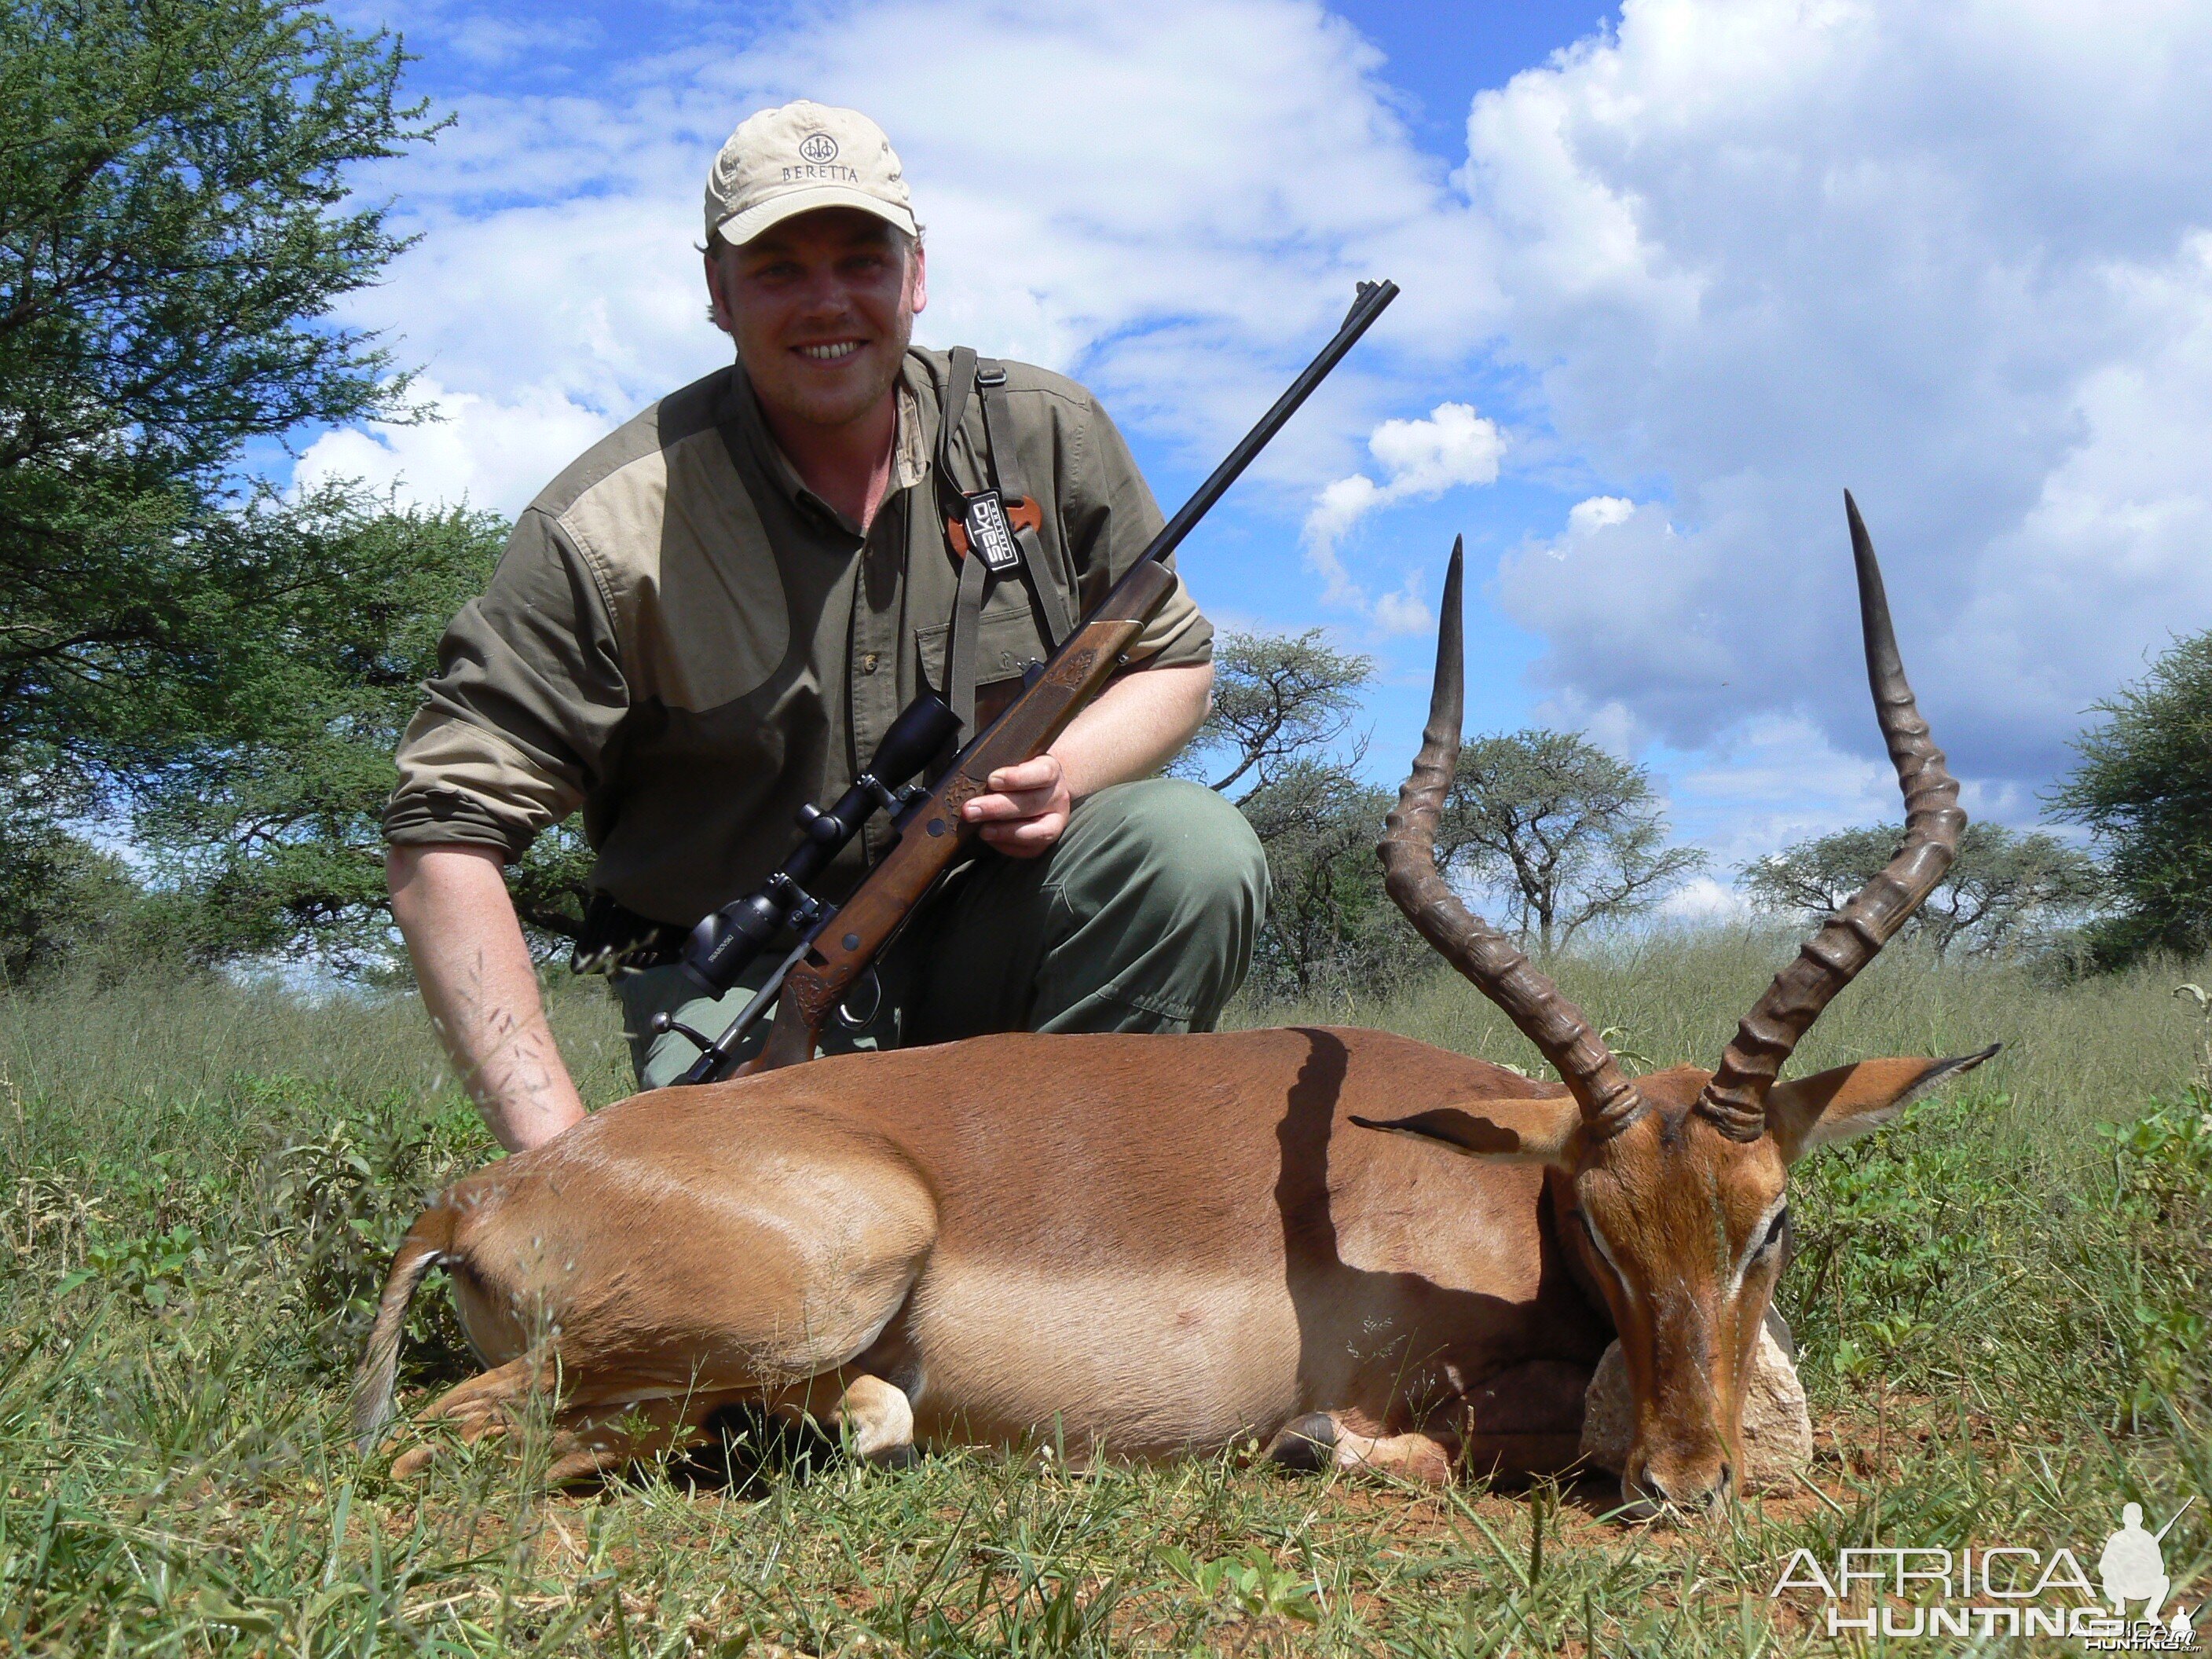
[480,988]
[1136,726]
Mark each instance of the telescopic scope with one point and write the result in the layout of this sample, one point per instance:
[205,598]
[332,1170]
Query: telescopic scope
[730,939]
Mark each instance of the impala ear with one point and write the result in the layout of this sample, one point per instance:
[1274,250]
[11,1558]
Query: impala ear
[1539,1131]
[1852,1100]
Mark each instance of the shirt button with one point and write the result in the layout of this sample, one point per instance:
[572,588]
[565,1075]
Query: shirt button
[868,663]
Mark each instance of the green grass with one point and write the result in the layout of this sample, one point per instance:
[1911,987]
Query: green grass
[2087,1052]
[2000,1302]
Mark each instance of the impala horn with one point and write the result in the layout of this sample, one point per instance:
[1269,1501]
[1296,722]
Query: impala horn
[1609,1101]
[1735,1102]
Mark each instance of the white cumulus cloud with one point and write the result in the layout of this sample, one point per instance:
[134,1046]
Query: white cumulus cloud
[1172,200]
[1703,901]
[1419,459]
[1958,257]
[1587,517]
[488,453]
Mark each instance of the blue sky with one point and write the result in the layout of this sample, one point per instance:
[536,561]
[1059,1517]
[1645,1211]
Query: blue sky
[1676,275]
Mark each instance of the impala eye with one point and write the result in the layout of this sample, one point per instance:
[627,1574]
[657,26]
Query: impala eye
[1774,1232]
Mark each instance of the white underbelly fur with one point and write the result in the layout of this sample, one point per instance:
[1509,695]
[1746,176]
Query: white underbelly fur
[1144,1362]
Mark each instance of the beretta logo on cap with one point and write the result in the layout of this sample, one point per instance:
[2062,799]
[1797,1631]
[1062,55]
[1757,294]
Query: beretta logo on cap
[799,158]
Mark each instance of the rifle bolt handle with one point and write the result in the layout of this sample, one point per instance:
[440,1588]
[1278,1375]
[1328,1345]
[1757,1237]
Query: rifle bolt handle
[662,1022]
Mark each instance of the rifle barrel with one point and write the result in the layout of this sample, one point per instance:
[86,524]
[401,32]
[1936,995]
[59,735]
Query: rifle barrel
[2178,1514]
[1373,298]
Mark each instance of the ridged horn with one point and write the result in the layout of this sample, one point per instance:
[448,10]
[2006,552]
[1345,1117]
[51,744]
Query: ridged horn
[1560,1031]
[1735,1102]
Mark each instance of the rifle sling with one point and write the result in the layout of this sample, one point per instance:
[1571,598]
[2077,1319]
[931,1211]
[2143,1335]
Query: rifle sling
[1006,473]
[962,644]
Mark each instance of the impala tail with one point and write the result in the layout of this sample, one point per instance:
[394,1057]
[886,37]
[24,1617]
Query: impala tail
[426,1246]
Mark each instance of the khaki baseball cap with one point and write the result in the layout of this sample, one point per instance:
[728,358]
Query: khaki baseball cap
[782,162]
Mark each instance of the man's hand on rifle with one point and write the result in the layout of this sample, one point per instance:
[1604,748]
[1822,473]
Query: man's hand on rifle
[1136,726]
[1029,810]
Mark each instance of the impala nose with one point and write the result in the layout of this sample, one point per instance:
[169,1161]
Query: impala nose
[1691,1490]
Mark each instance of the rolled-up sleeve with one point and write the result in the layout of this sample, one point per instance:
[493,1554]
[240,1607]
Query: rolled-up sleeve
[1111,519]
[529,689]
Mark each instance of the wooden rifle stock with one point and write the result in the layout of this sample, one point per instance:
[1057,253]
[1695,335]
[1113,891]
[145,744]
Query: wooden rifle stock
[934,833]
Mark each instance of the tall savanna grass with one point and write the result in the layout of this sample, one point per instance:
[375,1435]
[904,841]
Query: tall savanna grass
[2000,1303]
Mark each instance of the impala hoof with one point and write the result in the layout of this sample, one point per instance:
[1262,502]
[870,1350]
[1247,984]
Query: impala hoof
[1306,1443]
[895,1457]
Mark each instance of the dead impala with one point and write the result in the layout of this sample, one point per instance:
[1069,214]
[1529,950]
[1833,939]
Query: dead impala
[1162,1245]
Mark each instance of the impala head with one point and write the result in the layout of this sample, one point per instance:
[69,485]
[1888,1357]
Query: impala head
[1680,1177]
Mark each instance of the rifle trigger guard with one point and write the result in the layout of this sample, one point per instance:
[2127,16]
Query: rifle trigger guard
[846,1017]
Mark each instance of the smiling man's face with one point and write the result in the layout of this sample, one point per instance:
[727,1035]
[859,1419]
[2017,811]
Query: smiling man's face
[821,308]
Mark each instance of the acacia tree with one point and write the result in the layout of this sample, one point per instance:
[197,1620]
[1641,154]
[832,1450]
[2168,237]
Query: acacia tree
[270,822]
[1279,699]
[2004,889]
[1282,703]
[1566,835]
[1331,928]
[174,227]
[2144,788]
[56,892]
[1571,836]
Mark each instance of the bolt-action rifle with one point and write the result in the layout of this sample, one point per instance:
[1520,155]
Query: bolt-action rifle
[838,944]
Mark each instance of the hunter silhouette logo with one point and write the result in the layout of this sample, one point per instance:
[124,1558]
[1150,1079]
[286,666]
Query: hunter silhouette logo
[2133,1566]
[818,147]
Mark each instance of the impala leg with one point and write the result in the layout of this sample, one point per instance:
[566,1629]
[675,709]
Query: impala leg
[879,1418]
[1527,1421]
[1521,1423]
[874,1417]
[593,1436]
[1322,1440]
[1306,1443]
[1422,1456]
[477,1407]
[589,1436]
[594,1439]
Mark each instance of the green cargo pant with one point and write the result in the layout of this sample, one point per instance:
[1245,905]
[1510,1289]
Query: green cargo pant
[1140,918]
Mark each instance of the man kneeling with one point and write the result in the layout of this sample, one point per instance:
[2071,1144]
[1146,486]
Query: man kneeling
[713,616]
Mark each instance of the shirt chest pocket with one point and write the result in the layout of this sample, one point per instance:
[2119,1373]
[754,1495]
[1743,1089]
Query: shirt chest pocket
[1006,641]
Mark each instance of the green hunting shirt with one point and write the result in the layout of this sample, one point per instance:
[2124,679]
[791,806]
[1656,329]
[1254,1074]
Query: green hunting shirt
[686,642]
